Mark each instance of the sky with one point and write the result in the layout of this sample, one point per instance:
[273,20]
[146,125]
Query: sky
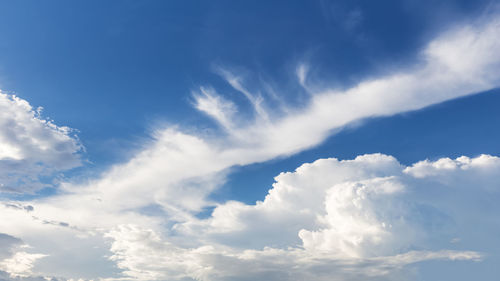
[259,140]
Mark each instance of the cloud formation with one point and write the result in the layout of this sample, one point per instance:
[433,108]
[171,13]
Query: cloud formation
[327,220]
[460,62]
[182,165]
[31,147]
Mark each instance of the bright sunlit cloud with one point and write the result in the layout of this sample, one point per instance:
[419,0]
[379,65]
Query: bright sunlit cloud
[31,147]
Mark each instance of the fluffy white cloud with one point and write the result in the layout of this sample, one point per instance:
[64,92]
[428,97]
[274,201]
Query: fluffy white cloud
[366,218]
[144,256]
[31,146]
[20,263]
[456,171]
[328,220]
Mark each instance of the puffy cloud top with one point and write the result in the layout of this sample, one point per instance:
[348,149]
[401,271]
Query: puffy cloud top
[332,219]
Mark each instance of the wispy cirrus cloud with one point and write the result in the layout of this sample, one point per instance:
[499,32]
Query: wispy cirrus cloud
[460,62]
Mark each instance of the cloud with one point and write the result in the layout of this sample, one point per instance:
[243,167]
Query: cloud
[14,260]
[460,62]
[446,167]
[158,173]
[215,106]
[327,220]
[31,147]
[20,263]
[144,256]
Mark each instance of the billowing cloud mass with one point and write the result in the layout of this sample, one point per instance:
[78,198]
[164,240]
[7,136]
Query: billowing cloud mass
[31,147]
[328,220]
[365,218]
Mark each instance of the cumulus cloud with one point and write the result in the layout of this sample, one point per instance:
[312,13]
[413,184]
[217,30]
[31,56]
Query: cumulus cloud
[458,170]
[144,256]
[366,218]
[327,220]
[31,146]
[20,263]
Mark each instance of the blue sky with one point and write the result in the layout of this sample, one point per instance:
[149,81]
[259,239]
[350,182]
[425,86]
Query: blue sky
[291,140]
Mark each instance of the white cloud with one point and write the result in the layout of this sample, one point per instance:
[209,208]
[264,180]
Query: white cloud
[20,264]
[350,220]
[449,167]
[328,220]
[359,219]
[14,259]
[31,146]
[144,256]
[455,172]
[460,62]
[159,173]
[216,107]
